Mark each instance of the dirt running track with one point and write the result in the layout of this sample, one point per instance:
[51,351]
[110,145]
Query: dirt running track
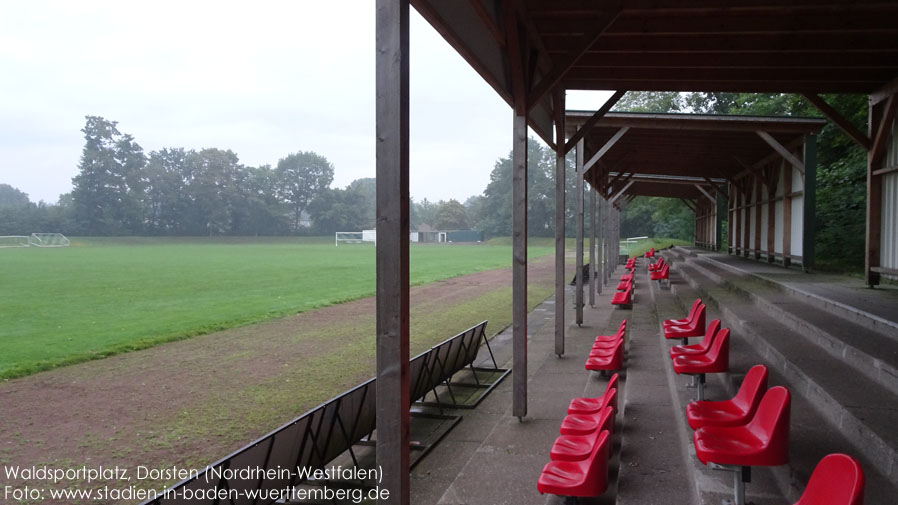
[190,402]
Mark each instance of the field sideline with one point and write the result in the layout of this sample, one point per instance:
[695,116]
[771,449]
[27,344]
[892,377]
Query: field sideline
[105,296]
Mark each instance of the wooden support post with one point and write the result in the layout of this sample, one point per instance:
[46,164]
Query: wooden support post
[881,115]
[746,230]
[392,168]
[600,260]
[519,265]
[787,214]
[731,218]
[758,206]
[560,174]
[720,214]
[578,296]
[592,247]
[771,215]
[809,227]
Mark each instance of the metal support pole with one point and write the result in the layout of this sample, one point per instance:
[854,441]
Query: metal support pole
[392,168]
[560,179]
[519,265]
[578,299]
[592,247]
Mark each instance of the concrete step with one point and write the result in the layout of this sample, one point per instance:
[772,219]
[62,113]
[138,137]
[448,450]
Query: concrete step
[862,409]
[871,353]
[810,439]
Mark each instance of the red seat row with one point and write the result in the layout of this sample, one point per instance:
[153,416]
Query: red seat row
[752,428]
[607,352]
[579,457]
[650,253]
[653,267]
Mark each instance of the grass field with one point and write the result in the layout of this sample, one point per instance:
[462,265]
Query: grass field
[106,296]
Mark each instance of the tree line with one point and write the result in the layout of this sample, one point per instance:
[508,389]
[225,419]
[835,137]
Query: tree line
[121,190]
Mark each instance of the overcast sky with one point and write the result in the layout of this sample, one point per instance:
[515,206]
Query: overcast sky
[262,78]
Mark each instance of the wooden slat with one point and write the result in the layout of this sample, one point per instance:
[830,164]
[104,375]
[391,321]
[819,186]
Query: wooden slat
[707,195]
[392,260]
[592,247]
[883,131]
[758,216]
[787,214]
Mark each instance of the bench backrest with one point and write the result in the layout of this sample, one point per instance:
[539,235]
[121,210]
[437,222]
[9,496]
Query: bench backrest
[752,389]
[770,425]
[838,479]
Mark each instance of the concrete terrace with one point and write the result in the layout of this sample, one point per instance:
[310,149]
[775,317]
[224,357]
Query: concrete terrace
[493,458]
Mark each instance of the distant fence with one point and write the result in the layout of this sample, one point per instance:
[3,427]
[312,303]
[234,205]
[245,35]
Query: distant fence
[315,438]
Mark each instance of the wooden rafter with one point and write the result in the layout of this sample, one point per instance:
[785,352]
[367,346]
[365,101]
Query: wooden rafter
[689,204]
[707,195]
[578,49]
[839,119]
[751,168]
[591,122]
[722,190]
[605,148]
[626,183]
[883,130]
[488,22]
[772,142]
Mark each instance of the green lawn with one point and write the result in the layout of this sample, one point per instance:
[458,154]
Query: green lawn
[105,296]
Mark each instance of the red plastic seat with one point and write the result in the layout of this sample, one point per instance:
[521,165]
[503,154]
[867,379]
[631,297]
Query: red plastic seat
[622,285]
[688,319]
[659,275]
[588,477]
[699,348]
[716,360]
[735,412]
[593,405]
[623,298]
[695,328]
[600,350]
[578,447]
[585,424]
[650,253]
[764,441]
[657,265]
[603,345]
[614,361]
[627,277]
[837,480]
[621,332]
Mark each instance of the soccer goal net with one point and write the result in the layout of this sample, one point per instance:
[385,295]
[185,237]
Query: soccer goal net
[49,240]
[348,237]
[14,241]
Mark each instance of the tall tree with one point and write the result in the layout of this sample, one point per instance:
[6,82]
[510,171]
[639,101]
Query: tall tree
[452,215]
[302,176]
[108,188]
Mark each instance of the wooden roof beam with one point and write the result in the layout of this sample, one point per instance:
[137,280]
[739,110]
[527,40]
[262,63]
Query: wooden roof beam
[591,122]
[579,48]
[605,148]
[884,92]
[720,189]
[707,195]
[839,119]
[753,170]
[515,57]
[788,156]
[621,192]
[689,204]
[883,130]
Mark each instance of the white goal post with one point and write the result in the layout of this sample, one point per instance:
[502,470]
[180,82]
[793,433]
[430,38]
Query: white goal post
[14,241]
[349,237]
[49,240]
